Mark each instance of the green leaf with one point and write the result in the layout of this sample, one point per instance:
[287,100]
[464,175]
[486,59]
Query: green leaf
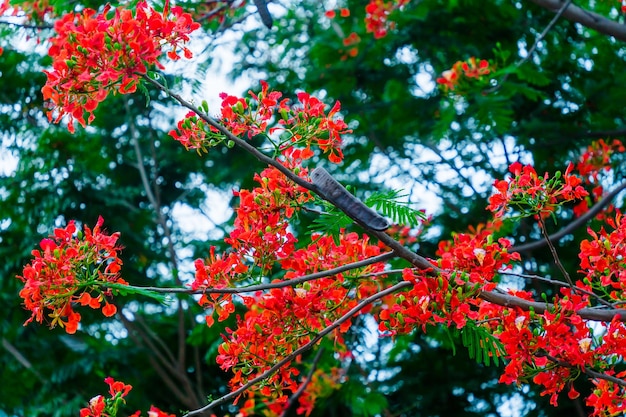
[481,344]
[389,205]
[124,290]
[530,74]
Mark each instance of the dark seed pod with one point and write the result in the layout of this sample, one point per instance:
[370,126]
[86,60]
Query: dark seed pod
[336,193]
[266,17]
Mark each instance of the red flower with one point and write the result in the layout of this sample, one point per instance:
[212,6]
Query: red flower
[377,16]
[463,71]
[532,194]
[67,270]
[94,55]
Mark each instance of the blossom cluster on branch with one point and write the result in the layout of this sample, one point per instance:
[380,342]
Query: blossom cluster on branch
[465,73]
[299,126]
[377,16]
[100,406]
[95,54]
[98,53]
[71,268]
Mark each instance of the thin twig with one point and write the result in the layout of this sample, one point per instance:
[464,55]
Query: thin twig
[590,214]
[21,358]
[542,227]
[586,370]
[296,395]
[543,34]
[559,283]
[539,38]
[347,316]
[154,198]
[287,283]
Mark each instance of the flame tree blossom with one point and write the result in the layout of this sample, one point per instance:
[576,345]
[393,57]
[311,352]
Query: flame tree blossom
[302,125]
[71,268]
[94,54]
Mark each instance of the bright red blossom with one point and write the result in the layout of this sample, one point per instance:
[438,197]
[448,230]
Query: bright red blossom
[266,334]
[71,269]
[99,406]
[377,16]
[306,124]
[463,72]
[603,259]
[94,55]
[532,194]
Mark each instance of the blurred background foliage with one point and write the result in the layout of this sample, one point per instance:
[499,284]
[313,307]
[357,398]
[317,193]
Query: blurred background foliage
[443,150]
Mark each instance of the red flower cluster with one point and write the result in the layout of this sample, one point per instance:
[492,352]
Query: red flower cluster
[462,71]
[607,398]
[536,345]
[597,158]
[603,259]
[476,255]
[260,235]
[36,12]
[194,133]
[99,406]
[306,123]
[266,334]
[377,16]
[70,269]
[94,55]
[217,10]
[470,263]
[595,161]
[532,194]
[351,41]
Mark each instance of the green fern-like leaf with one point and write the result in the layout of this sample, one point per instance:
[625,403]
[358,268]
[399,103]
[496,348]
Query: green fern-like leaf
[330,221]
[481,345]
[387,203]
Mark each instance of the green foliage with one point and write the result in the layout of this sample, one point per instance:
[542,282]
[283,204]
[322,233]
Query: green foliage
[481,344]
[542,110]
[388,203]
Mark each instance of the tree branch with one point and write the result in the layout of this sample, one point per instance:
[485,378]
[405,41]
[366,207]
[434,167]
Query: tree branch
[586,18]
[287,283]
[294,398]
[560,284]
[365,302]
[593,211]
[586,370]
[415,259]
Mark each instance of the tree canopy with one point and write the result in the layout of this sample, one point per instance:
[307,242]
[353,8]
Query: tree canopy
[208,255]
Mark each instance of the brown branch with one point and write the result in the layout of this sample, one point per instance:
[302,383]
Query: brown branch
[347,316]
[586,370]
[506,300]
[287,283]
[560,284]
[296,395]
[415,259]
[238,141]
[586,18]
[543,34]
[593,211]
[135,334]
[599,134]
[154,198]
[26,26]
[21,358]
